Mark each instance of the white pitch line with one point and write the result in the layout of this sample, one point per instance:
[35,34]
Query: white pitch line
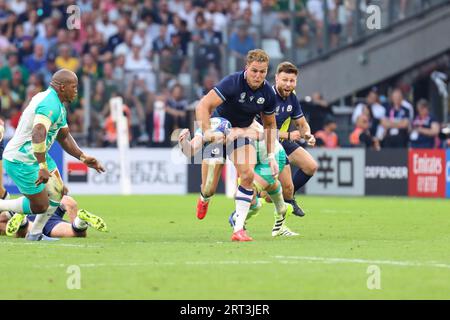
[99,265]
[365,261]
[278,260]
[47,244]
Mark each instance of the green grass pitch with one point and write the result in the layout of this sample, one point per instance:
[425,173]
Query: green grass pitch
[157,249]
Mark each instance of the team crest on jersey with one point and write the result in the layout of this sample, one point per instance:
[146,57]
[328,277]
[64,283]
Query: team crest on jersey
[260,100]
[289,108]
[251,98]
[242,99]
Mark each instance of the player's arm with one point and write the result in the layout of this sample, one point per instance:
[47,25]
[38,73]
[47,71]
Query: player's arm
[41,124]
[305,131]
[270,131]
[189,148]
[270,135]
[69,145]
[249,132]
[203,112]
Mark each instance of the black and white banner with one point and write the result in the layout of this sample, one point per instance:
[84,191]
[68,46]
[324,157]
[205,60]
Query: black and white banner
[386,172]
[152,171]
[340,172]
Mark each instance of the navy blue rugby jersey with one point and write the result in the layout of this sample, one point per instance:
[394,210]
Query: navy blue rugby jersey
[240,103]
[286,109]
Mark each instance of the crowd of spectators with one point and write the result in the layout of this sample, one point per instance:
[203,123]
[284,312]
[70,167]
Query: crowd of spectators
[141,50]
[378,122]
[396,124]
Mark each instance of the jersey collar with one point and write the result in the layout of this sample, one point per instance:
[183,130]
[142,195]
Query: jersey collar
[56,93]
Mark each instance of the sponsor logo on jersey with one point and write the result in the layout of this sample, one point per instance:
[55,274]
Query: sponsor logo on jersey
[242,99]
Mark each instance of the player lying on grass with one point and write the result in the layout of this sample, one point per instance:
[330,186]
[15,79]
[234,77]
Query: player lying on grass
[79,220]
[263,173]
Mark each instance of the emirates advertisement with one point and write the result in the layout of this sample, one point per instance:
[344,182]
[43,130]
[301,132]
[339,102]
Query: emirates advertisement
[427,173]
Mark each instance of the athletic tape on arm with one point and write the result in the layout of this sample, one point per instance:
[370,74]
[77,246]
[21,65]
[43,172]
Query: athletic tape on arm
[46,122]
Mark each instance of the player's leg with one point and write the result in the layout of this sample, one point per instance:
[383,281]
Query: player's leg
[3,221]
[42,200]
[287,184]
[81,218]
[243,156]
[64,229]
[282,211]
[306,164]
[23,176]
[258,186]
[56,227]
[3,193]
[275,192]
[211,170]
[307,167]
[290,147]
[54,191]
[23,229]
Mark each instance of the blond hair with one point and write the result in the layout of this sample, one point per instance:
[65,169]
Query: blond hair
[257,55]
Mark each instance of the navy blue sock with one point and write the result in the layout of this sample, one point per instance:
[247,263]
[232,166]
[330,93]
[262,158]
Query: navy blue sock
[300,179]
[60,212]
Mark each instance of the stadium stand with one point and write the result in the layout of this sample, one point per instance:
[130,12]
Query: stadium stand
[143,50]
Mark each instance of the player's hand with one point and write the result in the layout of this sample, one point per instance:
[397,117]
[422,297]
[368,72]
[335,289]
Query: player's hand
[234,134]
[213,136]
[43,176]
[310,139]
[65,191]
[294,135]
[274,168]
[91,162]
[184,135]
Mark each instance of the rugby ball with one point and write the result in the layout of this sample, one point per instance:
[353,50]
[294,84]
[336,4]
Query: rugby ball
[220,124]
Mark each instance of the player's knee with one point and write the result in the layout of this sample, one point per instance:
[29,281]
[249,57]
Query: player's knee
[247,176]
[69,203]
[311,168]
[38,208]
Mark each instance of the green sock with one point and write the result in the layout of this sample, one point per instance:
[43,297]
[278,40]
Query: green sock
[277,199]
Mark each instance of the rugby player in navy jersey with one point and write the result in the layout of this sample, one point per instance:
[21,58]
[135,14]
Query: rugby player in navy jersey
[238,98]
[287,108]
